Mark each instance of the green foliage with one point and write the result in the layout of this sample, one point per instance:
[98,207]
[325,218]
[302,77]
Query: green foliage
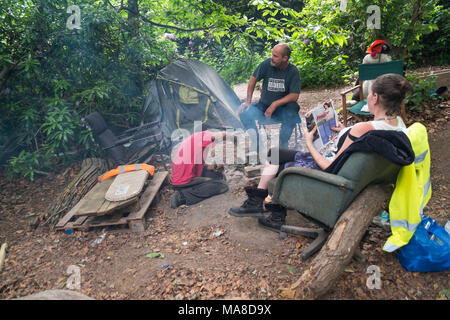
[435,49]
[321,33]
[418,99]
[60,75]
[51,77]
[28,164]
[59,126]
[316,44]
[234,59]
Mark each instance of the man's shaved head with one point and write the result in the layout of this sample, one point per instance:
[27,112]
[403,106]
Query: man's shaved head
[285,49]
[280,56]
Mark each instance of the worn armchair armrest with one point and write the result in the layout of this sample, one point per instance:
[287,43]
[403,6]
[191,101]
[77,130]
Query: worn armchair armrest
[349,90]
[318,175]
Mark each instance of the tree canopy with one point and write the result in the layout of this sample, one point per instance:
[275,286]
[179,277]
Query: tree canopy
[58,65]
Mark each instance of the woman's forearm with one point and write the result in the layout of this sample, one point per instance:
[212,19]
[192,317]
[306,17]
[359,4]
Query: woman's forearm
[318,158]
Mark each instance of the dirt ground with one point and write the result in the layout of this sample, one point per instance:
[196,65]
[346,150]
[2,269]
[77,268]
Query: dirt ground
[204,253]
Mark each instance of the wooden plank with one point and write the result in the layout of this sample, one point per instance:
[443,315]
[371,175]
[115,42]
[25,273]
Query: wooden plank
[95,198]
[137,225]
[104,221]
[95,203]
[253,171]
[134,220]
[80,221]
[108,207]
[64,220]
[442,77]
[149,194]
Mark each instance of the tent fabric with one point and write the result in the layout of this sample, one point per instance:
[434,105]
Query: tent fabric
[186,91]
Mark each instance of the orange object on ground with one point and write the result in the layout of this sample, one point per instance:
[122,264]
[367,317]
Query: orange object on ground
[126,168]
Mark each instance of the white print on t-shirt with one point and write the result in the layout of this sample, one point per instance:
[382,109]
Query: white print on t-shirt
[276,85]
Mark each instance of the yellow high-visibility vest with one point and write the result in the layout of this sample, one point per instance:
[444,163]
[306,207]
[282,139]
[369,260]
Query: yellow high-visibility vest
[412,191]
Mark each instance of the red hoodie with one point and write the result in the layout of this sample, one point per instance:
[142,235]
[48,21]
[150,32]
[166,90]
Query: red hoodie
[189,161]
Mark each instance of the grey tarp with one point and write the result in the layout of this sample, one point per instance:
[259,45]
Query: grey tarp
[187,91]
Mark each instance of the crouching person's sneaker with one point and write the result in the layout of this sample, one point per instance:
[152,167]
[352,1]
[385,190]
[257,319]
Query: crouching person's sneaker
[253,206]
[177,199]
[276,219]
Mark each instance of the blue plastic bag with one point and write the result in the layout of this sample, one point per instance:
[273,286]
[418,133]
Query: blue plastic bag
[428,250]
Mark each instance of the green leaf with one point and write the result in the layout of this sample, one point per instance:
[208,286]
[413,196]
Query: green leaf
[155,255]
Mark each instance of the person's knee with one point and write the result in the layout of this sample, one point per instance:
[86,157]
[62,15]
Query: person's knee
[288,113]
[247,118]
[273,151]
[223,188]
[273,156]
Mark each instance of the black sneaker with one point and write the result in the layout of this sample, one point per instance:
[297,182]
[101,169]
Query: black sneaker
[253,206]
[177,200]
[276,219]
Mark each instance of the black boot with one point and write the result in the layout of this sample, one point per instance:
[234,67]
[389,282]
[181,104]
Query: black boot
[276,219]
[177,199]
[253,206]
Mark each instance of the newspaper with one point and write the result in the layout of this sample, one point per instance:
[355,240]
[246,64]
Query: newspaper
[324,117]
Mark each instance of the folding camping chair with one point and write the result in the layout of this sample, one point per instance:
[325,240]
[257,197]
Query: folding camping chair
[131,146]
[370,72]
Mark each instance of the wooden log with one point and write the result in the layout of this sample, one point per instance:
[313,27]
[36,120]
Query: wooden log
[340,247]
[91,168]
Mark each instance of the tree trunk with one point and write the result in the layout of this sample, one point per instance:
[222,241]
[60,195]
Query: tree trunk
[337,252]
[4,74]
[415,18]
[133,17]
[91,168]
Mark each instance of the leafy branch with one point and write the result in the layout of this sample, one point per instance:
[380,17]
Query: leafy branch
[145,19]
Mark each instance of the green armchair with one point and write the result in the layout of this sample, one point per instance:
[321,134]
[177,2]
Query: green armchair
[322,197]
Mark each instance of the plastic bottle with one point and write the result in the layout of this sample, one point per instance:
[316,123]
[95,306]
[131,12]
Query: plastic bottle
[447,226]
[382,220]
[98,240]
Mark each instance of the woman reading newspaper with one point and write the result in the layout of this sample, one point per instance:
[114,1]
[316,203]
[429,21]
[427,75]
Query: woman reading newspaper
[384,101]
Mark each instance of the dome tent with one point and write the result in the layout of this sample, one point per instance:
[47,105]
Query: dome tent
[189,91]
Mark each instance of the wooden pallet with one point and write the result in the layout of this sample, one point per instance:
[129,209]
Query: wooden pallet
[131,215]
[442,77]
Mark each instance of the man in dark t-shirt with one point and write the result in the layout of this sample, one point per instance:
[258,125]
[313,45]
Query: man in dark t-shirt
[280,92]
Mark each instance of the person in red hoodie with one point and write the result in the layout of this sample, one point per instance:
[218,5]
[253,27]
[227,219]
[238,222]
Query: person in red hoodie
[192,179]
